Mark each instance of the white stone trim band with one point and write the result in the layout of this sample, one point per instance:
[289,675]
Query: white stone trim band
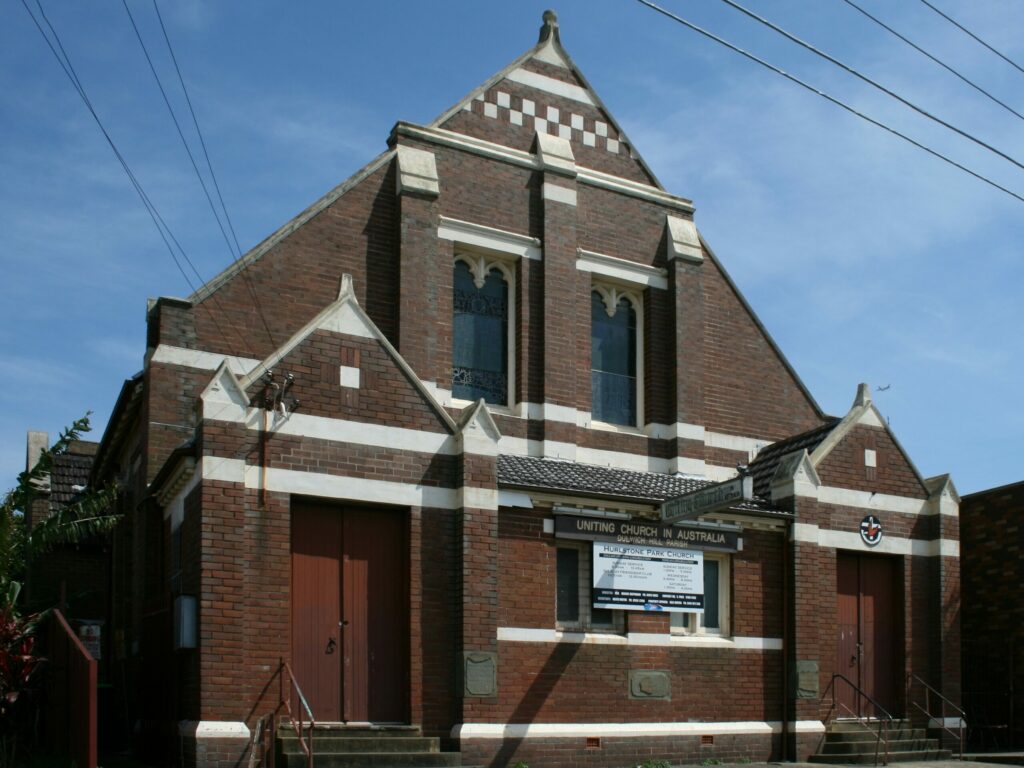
[197,358]
[588,176]
[645,639]
[550,85]
[343,431]
[809,533]
[329,486]
[883,502]
[625,730]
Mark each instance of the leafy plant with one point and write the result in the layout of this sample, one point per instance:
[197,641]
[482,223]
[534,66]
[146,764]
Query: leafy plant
[86,516]
[649,763]
[18,664]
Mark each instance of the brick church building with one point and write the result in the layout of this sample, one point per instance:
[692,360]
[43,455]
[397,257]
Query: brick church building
[435,482]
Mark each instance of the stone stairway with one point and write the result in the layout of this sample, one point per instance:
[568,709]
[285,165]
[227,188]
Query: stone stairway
[848,742]
[340,745]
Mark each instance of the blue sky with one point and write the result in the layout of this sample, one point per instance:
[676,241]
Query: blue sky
[866,259]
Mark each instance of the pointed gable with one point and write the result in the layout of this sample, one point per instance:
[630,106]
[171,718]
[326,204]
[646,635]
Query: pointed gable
[544,92]
[343,367]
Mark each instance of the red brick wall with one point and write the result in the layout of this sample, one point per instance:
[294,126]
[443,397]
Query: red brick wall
[572,682]
[844,467]
[993,610]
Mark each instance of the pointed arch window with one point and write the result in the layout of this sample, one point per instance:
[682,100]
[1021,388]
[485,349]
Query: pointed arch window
[481,343]
[614,355]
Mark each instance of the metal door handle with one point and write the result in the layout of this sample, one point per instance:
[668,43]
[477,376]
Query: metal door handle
[343,623]
[331,645]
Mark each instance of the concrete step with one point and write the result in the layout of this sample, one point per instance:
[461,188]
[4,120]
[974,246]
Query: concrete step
[364,745]
[894,757]
[333,743]
[375,760]
[840,726]
[868,747]
[901,734]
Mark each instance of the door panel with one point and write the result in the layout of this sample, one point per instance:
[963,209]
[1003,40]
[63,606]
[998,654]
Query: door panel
[375,609]
[848,626]
[869,637]
[350,612]
[316,601]
[879,629]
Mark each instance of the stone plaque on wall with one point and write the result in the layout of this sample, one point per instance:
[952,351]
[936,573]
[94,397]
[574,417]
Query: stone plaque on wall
[807,679]
[479,673]
[649,684]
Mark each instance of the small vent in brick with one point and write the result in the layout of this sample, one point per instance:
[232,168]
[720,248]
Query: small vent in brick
[593,742]
[707,741]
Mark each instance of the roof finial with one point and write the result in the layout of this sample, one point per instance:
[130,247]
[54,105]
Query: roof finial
[863,396]
[550,28]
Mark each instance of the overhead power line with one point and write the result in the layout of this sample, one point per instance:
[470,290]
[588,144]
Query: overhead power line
[873,83]
[158,221]
[827,97]
[235,256]
[968,32]
[938,61]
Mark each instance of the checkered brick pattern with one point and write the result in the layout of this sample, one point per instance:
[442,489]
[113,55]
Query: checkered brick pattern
[509,108]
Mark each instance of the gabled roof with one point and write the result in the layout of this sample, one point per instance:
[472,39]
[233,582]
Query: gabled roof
[549,50]
[767,461]
[820,441]
[70,472]
[591,481]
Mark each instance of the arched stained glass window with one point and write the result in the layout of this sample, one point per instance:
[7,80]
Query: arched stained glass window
[480,336]
[613,341]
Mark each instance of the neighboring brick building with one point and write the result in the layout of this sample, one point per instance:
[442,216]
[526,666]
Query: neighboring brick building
[75,576]
[308,455]
[993,616]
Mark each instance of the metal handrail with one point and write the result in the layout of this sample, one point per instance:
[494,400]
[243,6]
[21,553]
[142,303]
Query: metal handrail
[258,739]
[286,702]
[884,718]
[926,709]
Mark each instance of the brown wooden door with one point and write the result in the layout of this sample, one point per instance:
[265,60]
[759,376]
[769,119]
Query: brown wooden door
[350,612]
[869,635]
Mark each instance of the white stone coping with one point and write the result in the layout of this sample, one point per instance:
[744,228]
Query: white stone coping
[645,639]
[491,238]
[626,730]
[213,729]
[621,269]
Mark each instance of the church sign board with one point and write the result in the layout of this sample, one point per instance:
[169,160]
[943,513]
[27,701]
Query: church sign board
[647,532]
[710,498]
[641,578]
